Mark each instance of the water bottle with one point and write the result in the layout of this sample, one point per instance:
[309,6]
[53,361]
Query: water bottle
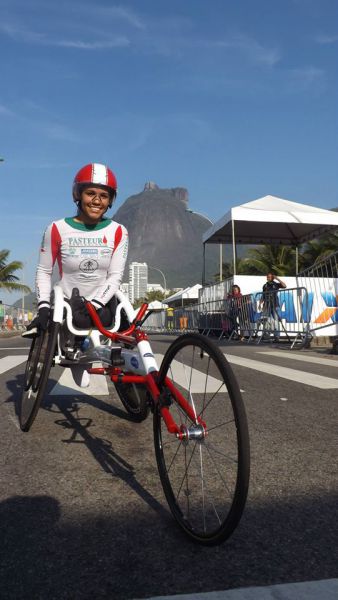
[85,344]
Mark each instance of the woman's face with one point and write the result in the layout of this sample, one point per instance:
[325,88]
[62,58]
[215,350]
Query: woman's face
[94,203]
[235,290]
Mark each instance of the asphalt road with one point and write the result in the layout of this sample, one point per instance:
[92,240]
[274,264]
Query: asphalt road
[82,512]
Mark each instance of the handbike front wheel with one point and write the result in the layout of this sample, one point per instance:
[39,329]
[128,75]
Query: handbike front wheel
[135,399]
[38,366]
[205,475]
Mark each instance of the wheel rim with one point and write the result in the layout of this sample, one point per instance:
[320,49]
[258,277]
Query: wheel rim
[32,361]
[37,371]
[201,470]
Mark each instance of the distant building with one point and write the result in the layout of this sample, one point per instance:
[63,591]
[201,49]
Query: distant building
[155,287]
[138,280]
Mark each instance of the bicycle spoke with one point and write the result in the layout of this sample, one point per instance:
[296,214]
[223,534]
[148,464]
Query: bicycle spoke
[221,425]
[218,471]
[205,388]
[186,470]
[173,458]
[211,447]
[202,485]
[211,399]
[186,379]
[213,504]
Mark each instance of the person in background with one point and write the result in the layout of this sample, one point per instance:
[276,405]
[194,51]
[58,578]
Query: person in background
[269,302]
[170,317]
[235,310]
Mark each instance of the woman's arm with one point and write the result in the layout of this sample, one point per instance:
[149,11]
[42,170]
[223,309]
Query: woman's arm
[116,268]
[50,252]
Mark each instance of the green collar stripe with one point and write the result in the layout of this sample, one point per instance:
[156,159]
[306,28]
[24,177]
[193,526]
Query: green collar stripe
[83,227]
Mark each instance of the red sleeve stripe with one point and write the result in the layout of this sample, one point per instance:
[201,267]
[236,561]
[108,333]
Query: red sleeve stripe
[118,237]
[56,247]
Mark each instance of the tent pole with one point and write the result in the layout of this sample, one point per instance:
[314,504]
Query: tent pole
[233,246]
[297,262]
[220,262]
[203,272]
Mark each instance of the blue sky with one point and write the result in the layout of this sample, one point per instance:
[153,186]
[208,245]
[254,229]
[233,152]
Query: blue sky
[233,100]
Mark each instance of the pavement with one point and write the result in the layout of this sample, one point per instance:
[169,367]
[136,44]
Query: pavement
[82,512]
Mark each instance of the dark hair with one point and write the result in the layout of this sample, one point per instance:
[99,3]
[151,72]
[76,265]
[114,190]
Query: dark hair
[236,286]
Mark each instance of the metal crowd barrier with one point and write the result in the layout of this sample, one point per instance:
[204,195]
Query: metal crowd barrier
[283,314]
[259,316]
[321,282]
[14,319]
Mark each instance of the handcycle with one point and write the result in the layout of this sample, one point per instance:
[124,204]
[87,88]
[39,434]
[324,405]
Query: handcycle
[199,423]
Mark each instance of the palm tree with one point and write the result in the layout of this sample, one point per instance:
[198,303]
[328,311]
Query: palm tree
[278,259]
[8,281]
[315,250]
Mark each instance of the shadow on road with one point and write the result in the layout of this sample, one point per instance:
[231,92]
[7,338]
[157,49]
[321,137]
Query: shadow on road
[134,556]
[103,452]
[52,403]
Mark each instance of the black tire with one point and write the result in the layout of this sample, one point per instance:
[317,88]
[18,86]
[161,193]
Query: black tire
[38,367]
[135,399]
[33,359]
[203,511]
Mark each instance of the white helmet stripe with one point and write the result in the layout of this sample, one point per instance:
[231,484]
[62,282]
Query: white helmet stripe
[99,174]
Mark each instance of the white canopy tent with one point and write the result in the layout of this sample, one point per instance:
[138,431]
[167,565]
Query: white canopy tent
[189,293]
[157,305]
[270,220]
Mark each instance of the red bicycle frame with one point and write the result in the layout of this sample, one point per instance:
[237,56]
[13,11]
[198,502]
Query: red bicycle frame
[131,337]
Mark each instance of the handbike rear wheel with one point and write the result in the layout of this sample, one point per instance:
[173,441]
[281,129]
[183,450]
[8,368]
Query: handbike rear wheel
[205,475]
[37,371]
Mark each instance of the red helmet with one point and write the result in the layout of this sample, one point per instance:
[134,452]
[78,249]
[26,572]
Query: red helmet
[98,174]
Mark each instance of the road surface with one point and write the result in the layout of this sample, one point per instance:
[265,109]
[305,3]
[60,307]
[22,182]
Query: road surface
[82,512]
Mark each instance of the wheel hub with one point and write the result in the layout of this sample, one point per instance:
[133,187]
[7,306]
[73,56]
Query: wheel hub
[195,432]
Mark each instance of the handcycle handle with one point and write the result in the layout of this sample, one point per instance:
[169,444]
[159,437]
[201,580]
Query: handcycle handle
[122,336]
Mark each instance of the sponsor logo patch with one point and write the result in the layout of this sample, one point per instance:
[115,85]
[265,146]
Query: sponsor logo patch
[148,355]
[88,265]
[84,242]
[134,362]
[89,251]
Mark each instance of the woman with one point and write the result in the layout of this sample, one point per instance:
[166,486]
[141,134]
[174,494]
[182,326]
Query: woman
[235,305]
[89,249]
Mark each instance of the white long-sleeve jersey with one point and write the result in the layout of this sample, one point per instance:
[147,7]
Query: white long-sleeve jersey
[90,257]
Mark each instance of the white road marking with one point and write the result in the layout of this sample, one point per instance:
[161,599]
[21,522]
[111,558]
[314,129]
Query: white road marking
[326,589]
[303,358]
[9,362]
[312,379]
[16,348]
[181,375]
[66,386]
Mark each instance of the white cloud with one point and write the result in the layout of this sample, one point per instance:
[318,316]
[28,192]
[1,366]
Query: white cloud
[59,132]
[325,38]
[122,13]
[304,79]
[119,42]
[20,34]
[307,75]
[6,112]
[255,51]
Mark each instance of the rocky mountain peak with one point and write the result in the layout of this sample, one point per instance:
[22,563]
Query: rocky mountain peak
[164,233]
[150,185]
